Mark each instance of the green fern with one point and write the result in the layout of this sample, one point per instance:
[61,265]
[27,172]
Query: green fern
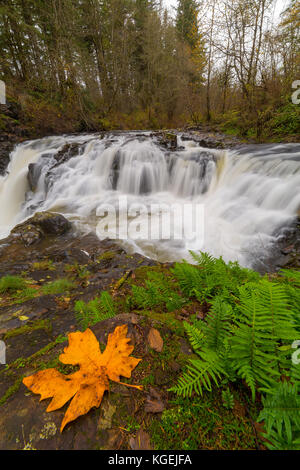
[159,292]
[228,399]
[98,309]
[211,277]
[189,277]
[252,346]
[209,344]
[278,440]
[200,374]
[195,336]
[281,408]
[217,327]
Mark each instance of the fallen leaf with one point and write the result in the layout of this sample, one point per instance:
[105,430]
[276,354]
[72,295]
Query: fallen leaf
[141,441]
[86,387]
[23,318]
[155,340]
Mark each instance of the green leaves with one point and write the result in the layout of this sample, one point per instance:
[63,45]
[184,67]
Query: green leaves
[281,410]
[228,399]
[159,291]
[247,334]
[98,309]
[209,345]
[200,374]
[264,325]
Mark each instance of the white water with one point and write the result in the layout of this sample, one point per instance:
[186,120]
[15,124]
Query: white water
[248,195]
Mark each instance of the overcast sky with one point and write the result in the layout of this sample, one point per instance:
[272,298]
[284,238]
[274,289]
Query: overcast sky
[280,5]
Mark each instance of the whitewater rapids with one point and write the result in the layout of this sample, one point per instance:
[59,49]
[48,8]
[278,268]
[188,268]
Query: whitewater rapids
[250,196]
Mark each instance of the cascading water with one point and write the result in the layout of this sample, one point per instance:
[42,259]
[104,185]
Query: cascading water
[249,196]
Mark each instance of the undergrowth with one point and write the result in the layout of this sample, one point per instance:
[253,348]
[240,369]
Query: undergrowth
[247,336]
[12,284]
[99,309]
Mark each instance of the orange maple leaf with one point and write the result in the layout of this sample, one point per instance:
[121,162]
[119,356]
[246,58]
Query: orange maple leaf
[88,384]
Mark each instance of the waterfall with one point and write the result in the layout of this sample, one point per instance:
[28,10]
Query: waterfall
[249,195]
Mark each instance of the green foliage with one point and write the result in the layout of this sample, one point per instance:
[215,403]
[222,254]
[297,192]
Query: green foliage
[211,277]
[209,343]
[281,412]
[159,292]
[247,334]
[98,309]
[285,121]
[192,424]
[60,286]
[12,284]
[265,322]
[228,399]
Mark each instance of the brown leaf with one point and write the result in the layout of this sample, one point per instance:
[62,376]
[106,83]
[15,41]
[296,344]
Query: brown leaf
[85,387]
[155,340]
[141,441]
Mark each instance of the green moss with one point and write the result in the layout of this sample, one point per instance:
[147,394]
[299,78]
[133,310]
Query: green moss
[29,327]
[149,379]
[201,423]
[23,362]
[12,284]
[80,270]
[108,255]
[44,266]
[25,295]
[11,391]
[141,273]
[167,318]
[171,350]
[60,286]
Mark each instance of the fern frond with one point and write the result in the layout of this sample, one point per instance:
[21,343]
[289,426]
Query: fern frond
[278,440]
[200,374]
[204,260]
[217,326]
[107,304]
[98,309]
[281,408]
[254,343]
[195,335]
[228,399]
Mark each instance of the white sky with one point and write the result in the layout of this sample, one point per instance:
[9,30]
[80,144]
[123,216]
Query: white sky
[280,6]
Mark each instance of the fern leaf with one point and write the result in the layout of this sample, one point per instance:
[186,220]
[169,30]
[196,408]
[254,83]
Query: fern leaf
[199,375]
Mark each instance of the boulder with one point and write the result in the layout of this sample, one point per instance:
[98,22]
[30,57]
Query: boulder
[40,226]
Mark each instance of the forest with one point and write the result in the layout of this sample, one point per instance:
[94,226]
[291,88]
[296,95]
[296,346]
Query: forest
[89,65]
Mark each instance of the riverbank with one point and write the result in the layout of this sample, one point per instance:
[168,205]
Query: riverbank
[51,285]
[60,272]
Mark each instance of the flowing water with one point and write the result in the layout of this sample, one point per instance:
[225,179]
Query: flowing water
[250,196]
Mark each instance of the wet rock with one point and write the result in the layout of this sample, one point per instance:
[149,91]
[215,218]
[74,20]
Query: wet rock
[167,140]
[24,422]
[5,150]
[51,224]
[34,172]
[41,225]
